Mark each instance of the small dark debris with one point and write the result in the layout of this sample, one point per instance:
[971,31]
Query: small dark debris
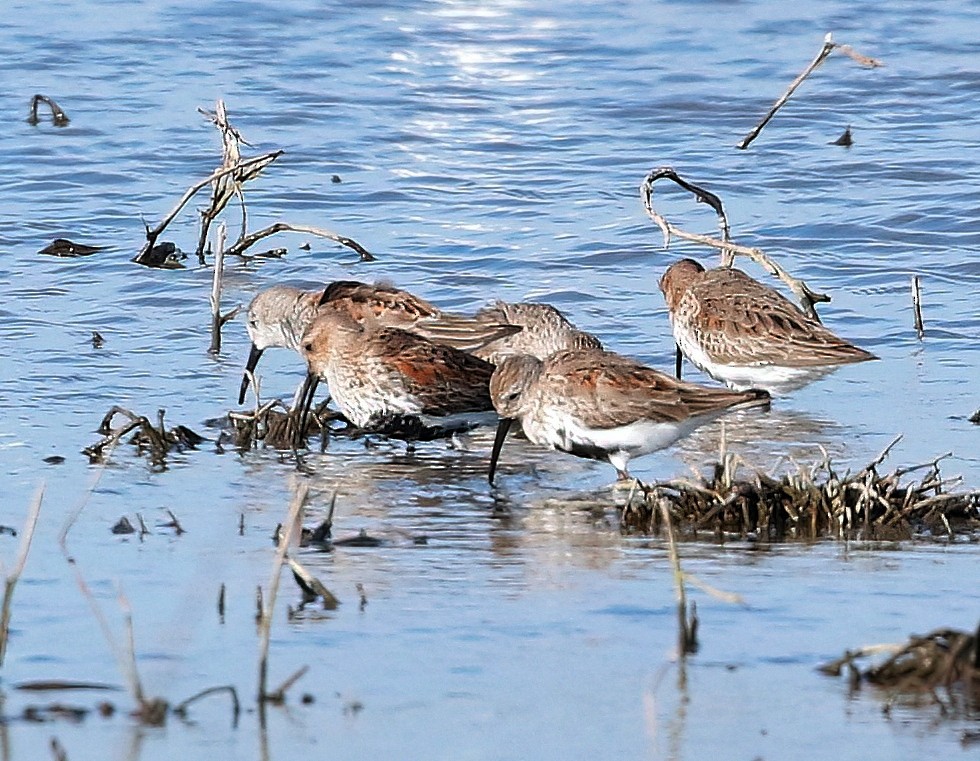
[8,530]
[975,418]
[165,256]
[123,526]
[335,179]
[307,699]
[845,139]
[305,247]
[58,117]
[66,248]
[272,253]
[173,523]
[97,340]
[157,441]
[420,540]
[353,707]
[54,711]
[105,709]
[55,459]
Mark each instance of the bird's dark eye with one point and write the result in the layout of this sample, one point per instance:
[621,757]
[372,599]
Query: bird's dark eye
[308,346]
[512,396]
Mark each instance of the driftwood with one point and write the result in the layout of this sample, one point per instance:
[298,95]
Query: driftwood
[807,297]
[828,47]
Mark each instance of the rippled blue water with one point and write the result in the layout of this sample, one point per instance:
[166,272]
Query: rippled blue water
[486,150]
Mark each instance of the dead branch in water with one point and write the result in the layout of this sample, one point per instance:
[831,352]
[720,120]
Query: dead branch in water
[227,183]
[241,172]
[687,628]
[247,241]
[26,536]
[828,47]
[58,117]
[801,290]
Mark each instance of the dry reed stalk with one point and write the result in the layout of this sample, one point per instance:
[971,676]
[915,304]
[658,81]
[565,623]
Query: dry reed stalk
[828,47]
[218,320]
[917,307]
[800,289]
[687,628]
[26,536]
[290,536]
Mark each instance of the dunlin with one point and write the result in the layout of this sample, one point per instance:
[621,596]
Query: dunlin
[545,331]
[747,335]
[280,315]
[391,381]
[602,406]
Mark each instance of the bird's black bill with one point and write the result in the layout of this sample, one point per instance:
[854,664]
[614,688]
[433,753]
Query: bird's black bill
[253,360]
[678,360]
[498,443]
[303,410]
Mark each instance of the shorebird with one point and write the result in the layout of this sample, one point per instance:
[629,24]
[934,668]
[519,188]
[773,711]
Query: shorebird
[602,406]
[545,331]
[279,316]
[748,335]
[395,382]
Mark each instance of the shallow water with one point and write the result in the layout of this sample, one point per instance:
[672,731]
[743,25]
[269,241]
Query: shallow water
[490,150]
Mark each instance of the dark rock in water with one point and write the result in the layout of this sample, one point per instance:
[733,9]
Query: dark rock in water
[67,248]
[975,418]
[845,139]
[123,526]
[165,256]
[55,459]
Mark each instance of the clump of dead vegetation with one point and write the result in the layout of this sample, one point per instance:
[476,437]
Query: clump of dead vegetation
[816,501]
[155,441]
[942,668]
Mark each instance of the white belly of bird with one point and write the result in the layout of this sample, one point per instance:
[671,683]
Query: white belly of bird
[776,379]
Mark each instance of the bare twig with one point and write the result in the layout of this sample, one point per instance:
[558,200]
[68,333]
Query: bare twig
[801,290]
[26,536]
[828,47]
[247,241]
[917,307]
[278,695]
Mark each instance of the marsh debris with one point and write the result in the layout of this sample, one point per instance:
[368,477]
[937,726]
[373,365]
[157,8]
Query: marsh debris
[941,668]
[814,502]
[123,526]
[66,248]
[97,340]
[274,424]
[58,117]
[155,441]
[975,418]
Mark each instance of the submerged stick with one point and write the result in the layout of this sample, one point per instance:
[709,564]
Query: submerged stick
[247,241]
[26,536]
[917,307]
[807,297]
[828,47]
